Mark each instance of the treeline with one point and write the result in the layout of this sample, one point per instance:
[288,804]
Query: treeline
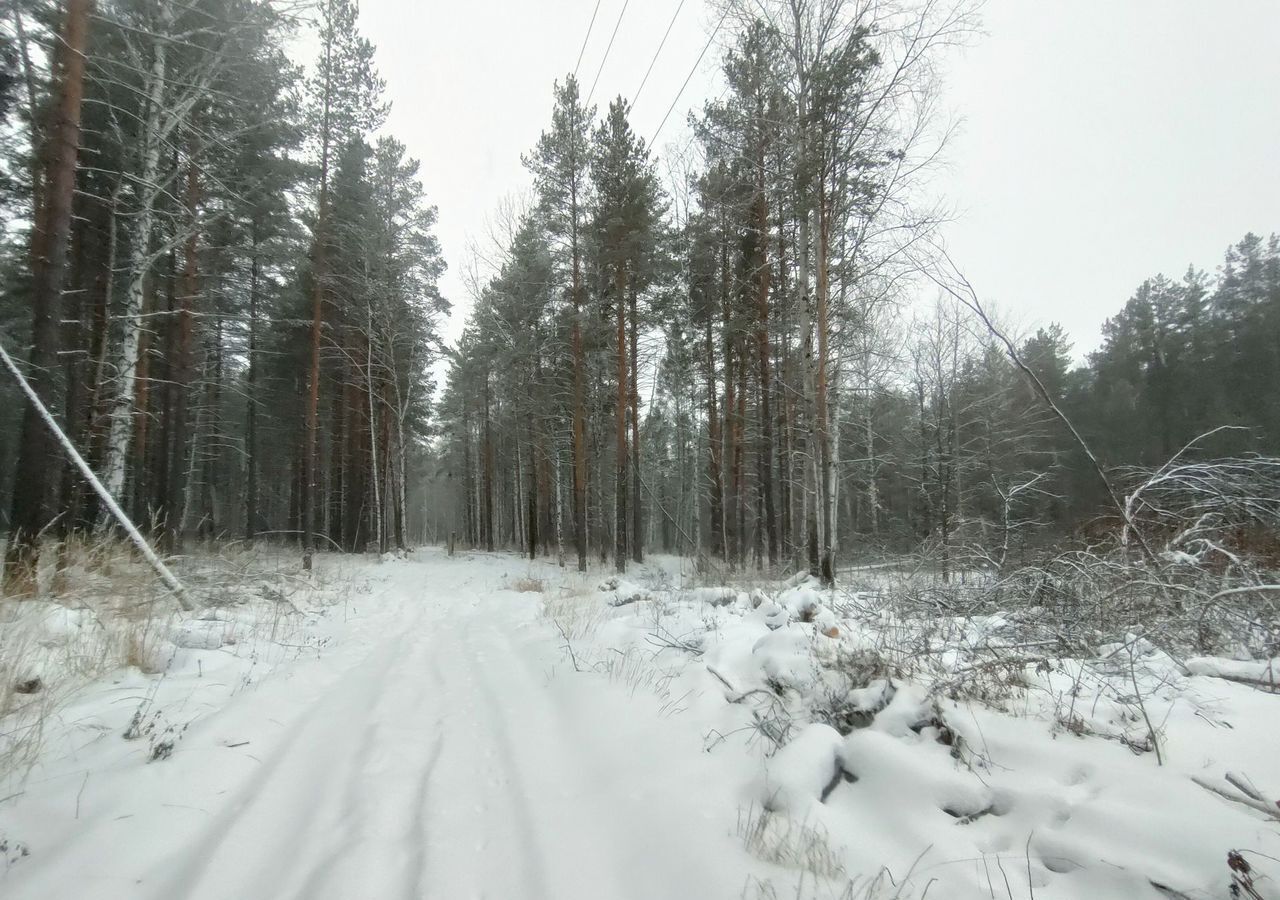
[731,352]
[739,271]
[1188,355]
[221,285]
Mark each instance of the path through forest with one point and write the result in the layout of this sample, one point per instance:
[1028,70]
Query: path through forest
[443,747]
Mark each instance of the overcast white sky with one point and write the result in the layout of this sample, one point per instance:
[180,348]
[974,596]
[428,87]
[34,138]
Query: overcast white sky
[1103,140]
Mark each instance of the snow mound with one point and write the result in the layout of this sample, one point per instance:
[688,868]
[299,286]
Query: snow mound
[915,779]
[155,656]
[202,634]
[44,622]
[1262,670]
[623,591]
[786,658]
[717,596]
[802,602]
[803,772]
[773,615]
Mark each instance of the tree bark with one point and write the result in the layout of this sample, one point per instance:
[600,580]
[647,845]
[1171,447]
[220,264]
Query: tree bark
[180,381]
[579,388]
[121,416]
[251,393]
[378,535]
[620,423]
[730,457]
[637,507]
[310,448]
[826,492]
[31,512]
[531,489]
[762,271]
[487,512]
[714,446]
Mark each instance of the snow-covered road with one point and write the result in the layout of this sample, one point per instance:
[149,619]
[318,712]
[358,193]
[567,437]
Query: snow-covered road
[442,747]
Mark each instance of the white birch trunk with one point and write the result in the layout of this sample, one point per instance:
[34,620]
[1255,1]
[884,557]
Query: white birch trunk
[120,432]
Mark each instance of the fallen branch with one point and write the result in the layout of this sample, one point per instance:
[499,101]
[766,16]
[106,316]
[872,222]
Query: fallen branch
[1245,793]
[736,696]
[665,640]
[967,295]
[166,576]
[568,645]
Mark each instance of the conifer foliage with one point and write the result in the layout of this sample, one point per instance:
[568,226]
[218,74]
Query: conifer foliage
[733,351]
[221,284]
[221,276]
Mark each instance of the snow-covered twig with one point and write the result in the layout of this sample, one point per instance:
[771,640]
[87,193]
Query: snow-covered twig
[1245,793]
[568,645]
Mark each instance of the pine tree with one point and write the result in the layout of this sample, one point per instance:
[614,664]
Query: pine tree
[559,165]
[346,105]
[626,220]
[48,255]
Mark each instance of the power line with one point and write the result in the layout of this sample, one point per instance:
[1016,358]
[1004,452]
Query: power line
[616,25]
[585,38]
[689,77]
[661,44]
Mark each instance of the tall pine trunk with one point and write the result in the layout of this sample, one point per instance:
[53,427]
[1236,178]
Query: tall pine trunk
[251,393]
[730,433]
[310,443]
[826,460]
[762,272]
[637,508]
[487,513]
[620,424]
[180,380]
[714,448]
[33,475]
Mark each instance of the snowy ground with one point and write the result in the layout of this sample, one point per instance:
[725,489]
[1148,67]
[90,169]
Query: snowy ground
[488,727]
[430,741]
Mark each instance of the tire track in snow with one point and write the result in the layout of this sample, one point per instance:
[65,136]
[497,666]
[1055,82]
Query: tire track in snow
[417,873]
[356,816]
[427,756]
[490,770]
[250,849]
[269,794]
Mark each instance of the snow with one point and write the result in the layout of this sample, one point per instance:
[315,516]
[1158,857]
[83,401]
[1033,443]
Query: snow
[484,726]
[429,740]
[1266,671]
[1014,781]
[801,774]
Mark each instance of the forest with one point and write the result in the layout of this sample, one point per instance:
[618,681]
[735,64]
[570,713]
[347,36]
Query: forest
[703,529]
[757,351]
[222,283]
[749,349]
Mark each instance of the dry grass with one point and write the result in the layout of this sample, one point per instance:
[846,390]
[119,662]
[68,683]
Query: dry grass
[782,841]
[101,609]
[575,612]
[777,838]
[145,647]
[528,584]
